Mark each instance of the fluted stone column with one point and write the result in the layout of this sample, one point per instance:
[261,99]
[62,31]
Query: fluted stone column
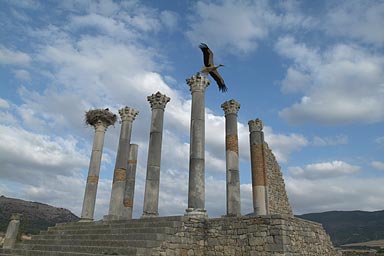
[158,102]
[196,186]
[231,109]
[259,175]
[130,181]
[12,231]
[116,203]
[100,119]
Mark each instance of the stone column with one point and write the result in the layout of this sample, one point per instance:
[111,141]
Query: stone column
[259,175]
[100,120]
[158,102]
[116,204]
[130,181]
[231,109]
[12,231]
[196,186]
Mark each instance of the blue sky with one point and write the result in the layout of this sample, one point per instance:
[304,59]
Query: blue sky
[313,71]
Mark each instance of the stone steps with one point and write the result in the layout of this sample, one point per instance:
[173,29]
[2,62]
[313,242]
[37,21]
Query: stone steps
[129,237]
[155,235]
[112,231]
[115,243]
[18,252]
[113,226]
[39,250]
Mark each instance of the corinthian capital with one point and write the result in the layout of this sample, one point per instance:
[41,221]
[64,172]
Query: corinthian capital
[197,83]
[128,114]
[230,107]
[158,100]
[255,125]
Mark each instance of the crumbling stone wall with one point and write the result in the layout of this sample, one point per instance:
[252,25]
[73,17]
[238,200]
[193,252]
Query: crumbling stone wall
[187,239]
[272,235]
[277,196]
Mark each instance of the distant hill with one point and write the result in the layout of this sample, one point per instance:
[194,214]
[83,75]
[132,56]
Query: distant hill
[36,216]
[346,227]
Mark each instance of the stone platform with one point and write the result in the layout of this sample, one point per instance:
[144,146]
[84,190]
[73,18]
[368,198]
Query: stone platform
[184,236]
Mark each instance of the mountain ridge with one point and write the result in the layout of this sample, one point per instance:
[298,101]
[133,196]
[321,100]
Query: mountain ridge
[346,227]
[36,216]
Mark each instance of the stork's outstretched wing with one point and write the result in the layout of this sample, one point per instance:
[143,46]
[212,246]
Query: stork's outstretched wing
[208,55]
[219,80]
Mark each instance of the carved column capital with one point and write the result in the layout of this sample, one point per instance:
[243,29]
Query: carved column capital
[197,83]
[16,216]
[255,125]
[158,100]
[100,119]
[100,126]
[230,107]
[128,114]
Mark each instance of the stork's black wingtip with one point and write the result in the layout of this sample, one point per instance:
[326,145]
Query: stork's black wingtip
[223,89]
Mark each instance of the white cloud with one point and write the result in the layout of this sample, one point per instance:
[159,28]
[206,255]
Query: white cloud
[22,74]
[379,140]
[291,16]
[220,24]
[239,26]
[377,165]
[304,57]
[330,141]
[105,8]
[357,20]
[26,4]
[283,145]
[20,15]
[343,193]
[344,84]
[4,103]
[169,19]
[246,198]
[13,57]
[105,25]
[30,158]
[323,170]
[295,81]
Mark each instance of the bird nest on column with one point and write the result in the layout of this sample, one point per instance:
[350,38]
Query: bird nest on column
[104,115]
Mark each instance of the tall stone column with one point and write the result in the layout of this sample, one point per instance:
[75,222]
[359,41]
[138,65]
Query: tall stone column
[12,231]
[158,102]
[100,119]
[231,109]
[196,186]
[116,203]
[259,175]
[130,181]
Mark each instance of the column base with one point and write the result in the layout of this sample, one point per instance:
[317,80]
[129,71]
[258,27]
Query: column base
[196,213]
[85,220]
[231,215]
[149,215]
[114,217]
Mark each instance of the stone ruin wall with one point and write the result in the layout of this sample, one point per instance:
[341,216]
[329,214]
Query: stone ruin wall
[276,234]
[278,202]
[272,235]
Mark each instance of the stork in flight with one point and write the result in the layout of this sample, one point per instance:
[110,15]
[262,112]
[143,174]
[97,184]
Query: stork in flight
[210,68]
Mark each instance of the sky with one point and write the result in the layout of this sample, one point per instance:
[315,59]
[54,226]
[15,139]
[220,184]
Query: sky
[313,71]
